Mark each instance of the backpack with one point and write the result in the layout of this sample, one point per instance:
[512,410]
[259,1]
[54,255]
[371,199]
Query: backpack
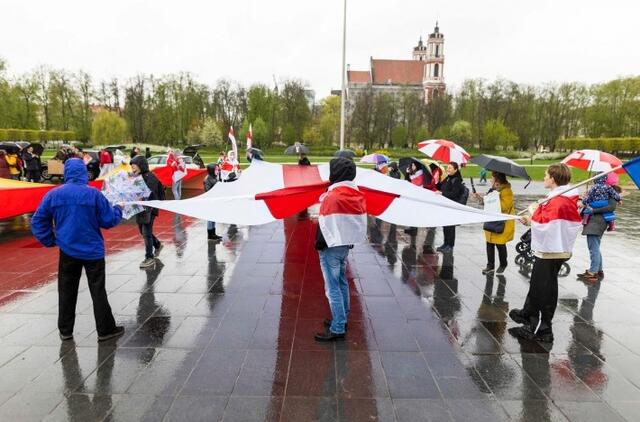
[464,196]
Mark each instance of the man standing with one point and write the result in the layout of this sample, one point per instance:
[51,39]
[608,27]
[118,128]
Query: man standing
[555,224]
[342,223]
[71,217]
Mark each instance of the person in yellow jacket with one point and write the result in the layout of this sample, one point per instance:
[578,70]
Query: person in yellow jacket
[14,165]
[498,234]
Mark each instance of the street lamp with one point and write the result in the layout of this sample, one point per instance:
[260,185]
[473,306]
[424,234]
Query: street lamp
[343,70]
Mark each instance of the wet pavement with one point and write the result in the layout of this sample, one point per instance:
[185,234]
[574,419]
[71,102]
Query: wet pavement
[224,331]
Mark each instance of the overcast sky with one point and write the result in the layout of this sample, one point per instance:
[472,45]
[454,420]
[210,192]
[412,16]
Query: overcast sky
[251,40]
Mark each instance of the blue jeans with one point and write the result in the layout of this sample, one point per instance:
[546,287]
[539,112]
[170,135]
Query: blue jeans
[176,189]
[593,242]
[150,240]
[333,262]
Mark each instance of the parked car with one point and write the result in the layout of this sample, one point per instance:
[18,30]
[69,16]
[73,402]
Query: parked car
[161,160]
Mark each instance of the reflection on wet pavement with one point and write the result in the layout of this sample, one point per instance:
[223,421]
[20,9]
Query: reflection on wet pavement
[224,331]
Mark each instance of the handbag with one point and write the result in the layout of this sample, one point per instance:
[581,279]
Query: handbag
[494,226]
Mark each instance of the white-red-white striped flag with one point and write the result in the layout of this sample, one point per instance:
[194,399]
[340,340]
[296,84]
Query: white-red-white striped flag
[234,145]
[343,215]
[556,223]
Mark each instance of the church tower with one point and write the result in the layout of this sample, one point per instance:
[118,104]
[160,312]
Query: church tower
[420,51]
[433,79]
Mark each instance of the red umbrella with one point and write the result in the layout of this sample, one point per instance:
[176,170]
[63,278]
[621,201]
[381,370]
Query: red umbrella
[443,150]
[593,160]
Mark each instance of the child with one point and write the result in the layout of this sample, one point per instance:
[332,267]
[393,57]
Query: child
[597,197]
[213,175]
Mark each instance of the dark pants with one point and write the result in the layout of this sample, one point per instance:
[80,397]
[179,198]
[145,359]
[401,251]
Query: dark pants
[449,235]
[33,175]
[69,271]
[150,241]
[542,298]
[491,254]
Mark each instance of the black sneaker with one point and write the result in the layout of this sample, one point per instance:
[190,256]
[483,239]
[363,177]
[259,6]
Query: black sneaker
[117,332]
[525,332]
[328,336]
[66,337]
[517,316]
[545,336]
[488,270]
[148,262]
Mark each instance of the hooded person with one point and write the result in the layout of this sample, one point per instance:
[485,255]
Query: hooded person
[341,224]
[140,166]
[394,171]
[213,175]
[70,217]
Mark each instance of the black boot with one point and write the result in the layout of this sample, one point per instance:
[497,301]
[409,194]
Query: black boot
[211,235]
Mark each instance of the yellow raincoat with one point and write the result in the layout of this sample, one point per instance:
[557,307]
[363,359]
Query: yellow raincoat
[507,207]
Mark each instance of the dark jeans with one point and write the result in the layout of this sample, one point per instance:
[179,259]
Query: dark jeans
[449,235]
[33,175]
[491,255]
[542,299]
[69,271]
[150,241]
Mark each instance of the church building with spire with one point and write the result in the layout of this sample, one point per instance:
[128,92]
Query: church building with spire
[423,73]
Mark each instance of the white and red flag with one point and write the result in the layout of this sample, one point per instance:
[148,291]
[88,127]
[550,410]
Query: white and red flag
[267,192]
[250,138]
[343,215]
[234,144]
[556,223]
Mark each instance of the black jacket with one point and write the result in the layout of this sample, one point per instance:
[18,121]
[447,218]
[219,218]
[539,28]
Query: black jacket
[31,162]
[452,187]
[209,182]
[304,162]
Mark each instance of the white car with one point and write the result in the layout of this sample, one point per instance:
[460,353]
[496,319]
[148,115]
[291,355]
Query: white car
[161,161]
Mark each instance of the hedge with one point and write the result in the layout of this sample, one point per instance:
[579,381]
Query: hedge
[612,145]
[34,135]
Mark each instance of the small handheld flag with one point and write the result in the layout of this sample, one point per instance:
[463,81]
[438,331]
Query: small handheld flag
[234,145]
[250,138]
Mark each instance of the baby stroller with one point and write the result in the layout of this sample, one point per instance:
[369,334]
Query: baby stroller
[525,257]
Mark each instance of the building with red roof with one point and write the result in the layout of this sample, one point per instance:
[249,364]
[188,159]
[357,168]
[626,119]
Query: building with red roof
[424,72]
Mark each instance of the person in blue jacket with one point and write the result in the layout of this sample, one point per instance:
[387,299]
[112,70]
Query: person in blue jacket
[71,217]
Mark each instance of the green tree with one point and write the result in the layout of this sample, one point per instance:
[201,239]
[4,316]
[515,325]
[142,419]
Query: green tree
[108,128]
[495,133]
[399,136]
[210,134]
[329,122]
[461,132]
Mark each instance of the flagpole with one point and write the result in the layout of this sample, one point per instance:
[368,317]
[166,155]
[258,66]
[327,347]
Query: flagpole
[572,187]
[343,70]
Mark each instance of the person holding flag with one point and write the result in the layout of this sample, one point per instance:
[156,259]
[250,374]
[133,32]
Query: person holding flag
[555,224]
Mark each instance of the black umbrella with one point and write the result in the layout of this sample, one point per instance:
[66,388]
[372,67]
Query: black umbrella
[296,149]
[345,153]
[501,165]
[37,148]
[255,153]
[405,162]
[10,147]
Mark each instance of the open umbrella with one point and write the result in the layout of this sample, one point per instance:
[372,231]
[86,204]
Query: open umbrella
[593,160]
[297,148]
[374,159]
[405,162]
[37,148]
[443,150]
[345,153]
[10,147]
[501,165]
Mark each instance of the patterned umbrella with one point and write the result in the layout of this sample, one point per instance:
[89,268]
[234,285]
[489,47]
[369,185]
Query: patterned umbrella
[374,159]
[443,150]
[593,160]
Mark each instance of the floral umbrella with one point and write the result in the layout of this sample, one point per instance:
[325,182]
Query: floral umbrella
[120,188]
[443,150]
[593,160]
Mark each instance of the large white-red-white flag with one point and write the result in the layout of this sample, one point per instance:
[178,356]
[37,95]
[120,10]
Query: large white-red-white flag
[250,138]
[267,192]
[556,223]
[343,215]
